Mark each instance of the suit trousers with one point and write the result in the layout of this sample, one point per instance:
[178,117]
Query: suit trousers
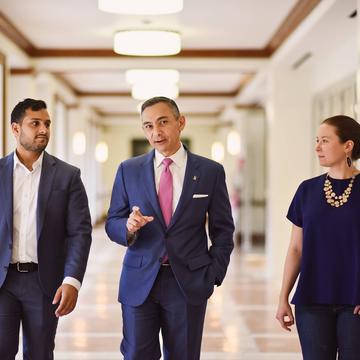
[165,309]
[22,301]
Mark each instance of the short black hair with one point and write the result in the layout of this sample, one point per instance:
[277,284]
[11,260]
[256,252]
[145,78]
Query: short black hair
[161,99]
[18,113]
[346,128]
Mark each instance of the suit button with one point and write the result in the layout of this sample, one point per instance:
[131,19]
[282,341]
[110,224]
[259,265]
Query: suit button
[161,260]
[10,246]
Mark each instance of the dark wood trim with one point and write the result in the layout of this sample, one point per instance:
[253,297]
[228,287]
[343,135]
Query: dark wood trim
[298,13]
[257,239]
[225,53]
[104,94]
[243,83]
[80,93]
[22,71]
[252,106]
[245,80]
[61,78]
[196,53]
[258,202]
[15,35]
[135,113]
[73,106]
[209,94]
[182,94]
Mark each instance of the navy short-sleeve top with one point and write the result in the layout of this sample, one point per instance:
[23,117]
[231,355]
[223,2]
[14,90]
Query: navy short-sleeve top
[330,261]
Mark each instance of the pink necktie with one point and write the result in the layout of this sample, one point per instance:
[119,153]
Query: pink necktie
[166,191]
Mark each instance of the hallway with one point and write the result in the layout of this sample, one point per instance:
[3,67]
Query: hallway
[240,322]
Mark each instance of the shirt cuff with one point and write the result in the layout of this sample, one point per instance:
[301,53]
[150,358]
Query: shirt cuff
[72,281]
[131,237]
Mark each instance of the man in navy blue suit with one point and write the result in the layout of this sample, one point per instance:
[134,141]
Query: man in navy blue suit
[160,206]
[45,237]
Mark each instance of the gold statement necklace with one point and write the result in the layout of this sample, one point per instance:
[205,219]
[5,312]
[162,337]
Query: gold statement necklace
[337,200]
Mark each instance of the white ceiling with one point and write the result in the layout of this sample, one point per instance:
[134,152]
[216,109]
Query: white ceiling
[203,24]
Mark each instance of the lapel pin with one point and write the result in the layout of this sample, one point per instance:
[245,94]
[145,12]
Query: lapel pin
[194,178]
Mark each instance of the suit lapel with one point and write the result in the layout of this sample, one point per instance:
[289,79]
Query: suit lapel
[191,178]
[148,179]
[46,179]
[6,188]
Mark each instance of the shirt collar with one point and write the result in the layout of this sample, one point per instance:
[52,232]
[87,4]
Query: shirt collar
[35,165]
[178,158]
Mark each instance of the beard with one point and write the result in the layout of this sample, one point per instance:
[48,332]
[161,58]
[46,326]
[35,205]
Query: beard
[32,145]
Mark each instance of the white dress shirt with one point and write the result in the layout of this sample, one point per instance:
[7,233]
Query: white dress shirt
[25,198]
[177,168]
[25,195]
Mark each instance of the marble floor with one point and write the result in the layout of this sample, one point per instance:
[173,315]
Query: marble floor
[240,322]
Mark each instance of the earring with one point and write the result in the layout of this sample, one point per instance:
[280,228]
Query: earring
[348,161]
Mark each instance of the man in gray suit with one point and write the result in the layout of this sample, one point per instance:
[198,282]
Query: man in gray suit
[45,237]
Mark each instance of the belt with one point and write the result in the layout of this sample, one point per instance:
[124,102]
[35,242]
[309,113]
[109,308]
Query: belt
[24,267]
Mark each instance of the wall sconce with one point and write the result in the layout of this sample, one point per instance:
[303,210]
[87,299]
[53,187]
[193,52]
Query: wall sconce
[217,152]
[79,143]
[101,152]
[233,143]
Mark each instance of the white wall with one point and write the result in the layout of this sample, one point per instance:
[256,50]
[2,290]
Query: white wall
[290,110]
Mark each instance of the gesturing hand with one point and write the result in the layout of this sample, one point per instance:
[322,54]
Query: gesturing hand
[137,220]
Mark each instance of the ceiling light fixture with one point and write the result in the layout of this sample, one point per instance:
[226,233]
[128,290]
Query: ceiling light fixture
[147,42]
[147,83]
[145,90]
[141,7]
[134,76]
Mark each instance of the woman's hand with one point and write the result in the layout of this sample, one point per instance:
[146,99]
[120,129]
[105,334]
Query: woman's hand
[285,315]
[357,310]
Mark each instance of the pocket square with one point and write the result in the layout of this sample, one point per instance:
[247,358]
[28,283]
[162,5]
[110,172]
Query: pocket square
[198,196]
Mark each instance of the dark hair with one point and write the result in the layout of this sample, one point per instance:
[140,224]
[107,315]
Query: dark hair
[346,128]
[18,113]
[161,99]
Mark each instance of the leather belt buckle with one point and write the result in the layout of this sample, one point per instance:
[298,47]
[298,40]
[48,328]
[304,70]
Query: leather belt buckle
[24,267]
[19,268]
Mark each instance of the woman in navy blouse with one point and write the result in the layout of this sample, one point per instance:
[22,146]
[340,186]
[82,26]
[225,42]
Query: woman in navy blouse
[325,249]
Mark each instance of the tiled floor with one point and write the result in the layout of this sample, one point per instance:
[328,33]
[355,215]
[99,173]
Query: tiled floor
[240,323]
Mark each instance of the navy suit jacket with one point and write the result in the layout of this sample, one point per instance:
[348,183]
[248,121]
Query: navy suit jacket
[62,219]
[197,267]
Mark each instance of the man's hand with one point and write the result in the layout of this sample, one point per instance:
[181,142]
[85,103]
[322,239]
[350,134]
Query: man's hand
[67,295]
[137,220]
